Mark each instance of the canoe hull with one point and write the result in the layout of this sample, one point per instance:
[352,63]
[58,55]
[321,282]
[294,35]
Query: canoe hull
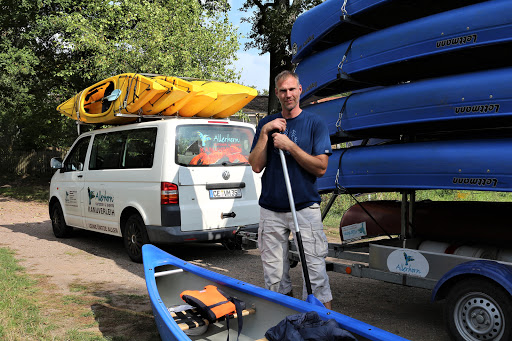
[455,103]
[476,164]
[325,24]
[459,222]
[467,39]
[271,307]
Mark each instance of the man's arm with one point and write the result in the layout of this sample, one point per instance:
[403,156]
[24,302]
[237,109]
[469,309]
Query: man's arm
[314,164]
[258,156]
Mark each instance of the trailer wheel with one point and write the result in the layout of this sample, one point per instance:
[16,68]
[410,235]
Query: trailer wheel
[478,309]
[134,236]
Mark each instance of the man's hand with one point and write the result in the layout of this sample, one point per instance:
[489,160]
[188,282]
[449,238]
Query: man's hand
[278,124]
[281,141]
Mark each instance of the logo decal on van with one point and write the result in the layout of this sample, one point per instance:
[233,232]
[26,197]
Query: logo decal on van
[70,199]
[204,138]
[100,202]
[227,138]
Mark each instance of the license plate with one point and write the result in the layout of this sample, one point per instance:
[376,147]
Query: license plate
[225,193]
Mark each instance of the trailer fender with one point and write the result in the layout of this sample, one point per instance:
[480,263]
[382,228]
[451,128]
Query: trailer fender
[497,272]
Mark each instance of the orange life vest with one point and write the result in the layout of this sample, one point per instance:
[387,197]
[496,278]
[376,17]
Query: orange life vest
[211,302]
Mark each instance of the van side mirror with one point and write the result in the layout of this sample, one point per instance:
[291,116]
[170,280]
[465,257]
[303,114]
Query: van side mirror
[56,163]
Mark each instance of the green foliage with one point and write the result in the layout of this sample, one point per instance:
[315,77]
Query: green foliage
[272,23]
[51,49]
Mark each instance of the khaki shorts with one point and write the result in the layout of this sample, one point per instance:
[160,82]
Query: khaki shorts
[273,235]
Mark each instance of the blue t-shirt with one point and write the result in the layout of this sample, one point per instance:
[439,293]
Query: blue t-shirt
[310,133]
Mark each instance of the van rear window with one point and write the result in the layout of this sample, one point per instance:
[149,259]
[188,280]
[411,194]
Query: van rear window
[213,145]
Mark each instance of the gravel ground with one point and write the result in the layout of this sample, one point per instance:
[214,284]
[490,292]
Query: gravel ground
[89,257]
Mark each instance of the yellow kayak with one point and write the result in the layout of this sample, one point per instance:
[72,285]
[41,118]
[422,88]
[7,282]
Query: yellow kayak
[176,106]
[231,98]
[176,90]
[125,93]
[197,103]
[132,93]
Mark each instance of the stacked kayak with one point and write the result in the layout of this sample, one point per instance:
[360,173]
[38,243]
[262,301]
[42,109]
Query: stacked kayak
[420,104]
[473,164]
[466,101]
[462,40]
[435,83]
[335,21]
[126,97]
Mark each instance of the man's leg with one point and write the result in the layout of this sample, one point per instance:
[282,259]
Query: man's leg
[273,235]
[315,248]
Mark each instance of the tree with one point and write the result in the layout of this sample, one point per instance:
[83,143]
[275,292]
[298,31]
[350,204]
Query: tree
[51,49]
[272,23]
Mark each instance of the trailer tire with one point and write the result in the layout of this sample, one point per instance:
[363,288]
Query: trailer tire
[478,309]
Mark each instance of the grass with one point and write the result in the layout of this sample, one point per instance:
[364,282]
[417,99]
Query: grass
[31,309]
[20,317]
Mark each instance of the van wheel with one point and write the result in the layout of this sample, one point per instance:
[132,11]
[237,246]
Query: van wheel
[478,309]
[134,236]
[60,229]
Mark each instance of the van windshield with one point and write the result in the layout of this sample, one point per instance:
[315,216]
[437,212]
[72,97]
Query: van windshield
[213,145]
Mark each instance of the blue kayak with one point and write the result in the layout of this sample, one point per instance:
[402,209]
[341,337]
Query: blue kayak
[167,276]
[332,22]
[454,103]
[467,39]
[472,164]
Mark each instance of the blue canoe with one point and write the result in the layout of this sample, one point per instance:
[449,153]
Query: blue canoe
[467,39]
[454,103]
[330,23]
[473,164]
[167,276]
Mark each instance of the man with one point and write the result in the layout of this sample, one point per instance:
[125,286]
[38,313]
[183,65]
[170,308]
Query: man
[304,138]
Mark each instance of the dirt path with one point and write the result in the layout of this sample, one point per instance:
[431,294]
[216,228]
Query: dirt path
[100,261]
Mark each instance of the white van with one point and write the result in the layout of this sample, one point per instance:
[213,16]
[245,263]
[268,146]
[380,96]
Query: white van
[169,181]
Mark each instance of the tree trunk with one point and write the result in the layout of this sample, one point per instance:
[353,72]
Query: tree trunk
[279,61]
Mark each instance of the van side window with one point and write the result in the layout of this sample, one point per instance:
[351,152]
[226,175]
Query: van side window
[123,149]
[140,148]
[76,159]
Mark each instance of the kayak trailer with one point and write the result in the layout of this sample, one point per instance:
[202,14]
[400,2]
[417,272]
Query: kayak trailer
[477,290]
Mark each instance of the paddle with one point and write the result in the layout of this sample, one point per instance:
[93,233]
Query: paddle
[112,97]
[311,298]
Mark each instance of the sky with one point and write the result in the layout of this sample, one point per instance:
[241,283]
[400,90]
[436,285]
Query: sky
[255,69]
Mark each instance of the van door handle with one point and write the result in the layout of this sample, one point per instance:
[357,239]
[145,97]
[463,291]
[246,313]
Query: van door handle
[79,176]
[227,215]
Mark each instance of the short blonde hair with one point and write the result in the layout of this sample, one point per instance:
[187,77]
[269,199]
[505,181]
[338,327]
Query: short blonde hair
[285,74]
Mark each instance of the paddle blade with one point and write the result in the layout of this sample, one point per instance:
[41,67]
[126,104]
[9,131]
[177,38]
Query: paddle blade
[114,95]
[313,300]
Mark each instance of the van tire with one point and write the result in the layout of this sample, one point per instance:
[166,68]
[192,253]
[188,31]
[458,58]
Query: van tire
[134,236]
[60,229]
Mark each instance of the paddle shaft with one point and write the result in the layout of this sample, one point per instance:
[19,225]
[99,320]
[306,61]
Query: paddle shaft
[297,230]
